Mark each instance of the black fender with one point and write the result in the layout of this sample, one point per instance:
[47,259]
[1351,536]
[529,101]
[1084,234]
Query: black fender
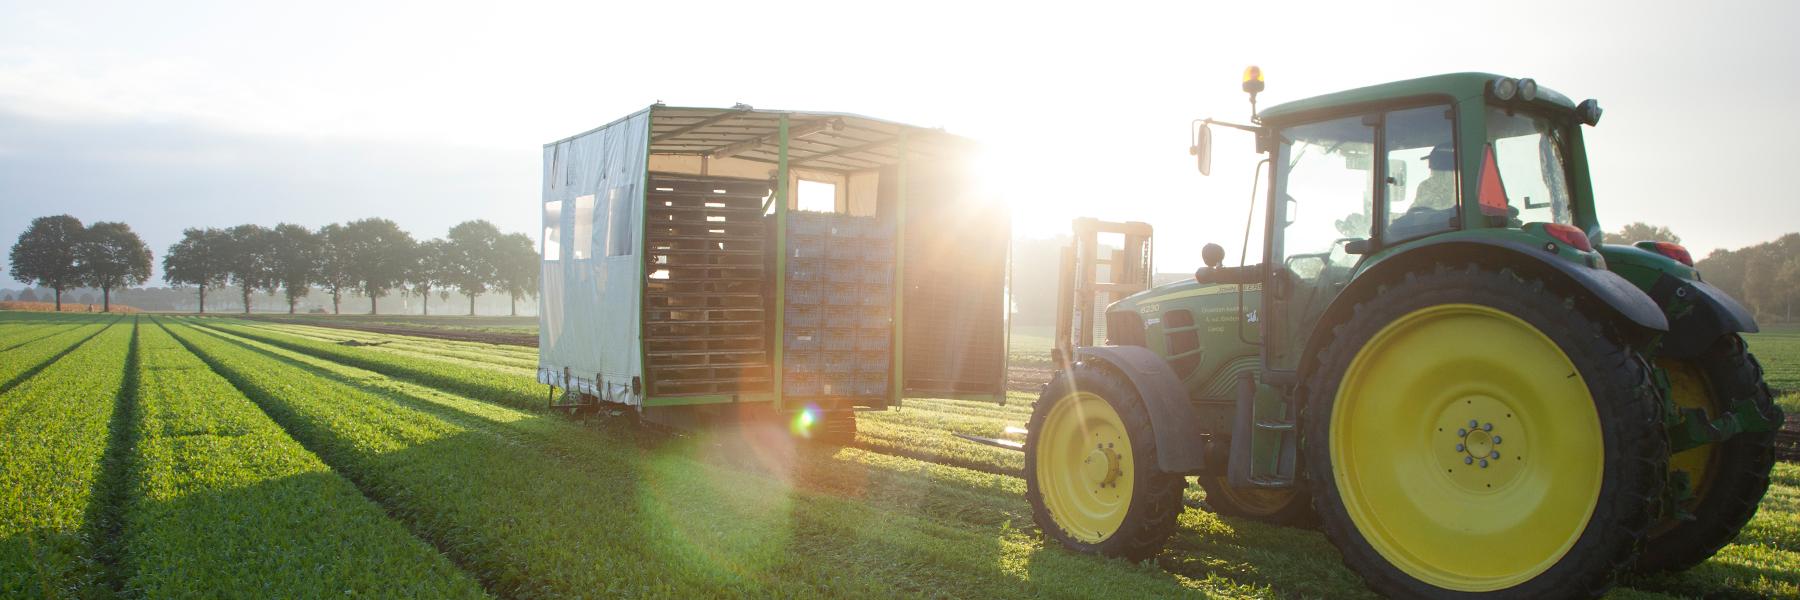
[1597,286]
[1698,314]
[1173,422]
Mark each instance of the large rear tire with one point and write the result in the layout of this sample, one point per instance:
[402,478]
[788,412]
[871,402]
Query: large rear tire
[1471,432]
[1727,479]
[1090,467]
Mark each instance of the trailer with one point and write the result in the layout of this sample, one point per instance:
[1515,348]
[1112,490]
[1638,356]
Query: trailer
[688,277]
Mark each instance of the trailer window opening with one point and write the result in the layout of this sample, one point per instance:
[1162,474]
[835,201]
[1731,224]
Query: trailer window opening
[817,196]
[553,230]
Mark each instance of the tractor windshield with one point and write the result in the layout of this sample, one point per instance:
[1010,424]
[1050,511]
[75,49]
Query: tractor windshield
[1523,177]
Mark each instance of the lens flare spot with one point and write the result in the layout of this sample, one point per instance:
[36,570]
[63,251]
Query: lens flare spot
[805,420]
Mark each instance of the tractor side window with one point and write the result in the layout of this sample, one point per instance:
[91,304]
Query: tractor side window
[1325,193]
[1523,175]
[1421,183]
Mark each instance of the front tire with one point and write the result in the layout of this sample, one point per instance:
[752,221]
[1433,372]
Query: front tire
[1471,432]
[1090,467]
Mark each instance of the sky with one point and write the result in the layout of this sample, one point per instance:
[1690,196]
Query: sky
[170,115]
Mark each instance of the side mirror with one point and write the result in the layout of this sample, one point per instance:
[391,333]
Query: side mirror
[1212,255]
[1202,149]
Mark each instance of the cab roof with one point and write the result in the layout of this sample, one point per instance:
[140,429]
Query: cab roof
[1458,86]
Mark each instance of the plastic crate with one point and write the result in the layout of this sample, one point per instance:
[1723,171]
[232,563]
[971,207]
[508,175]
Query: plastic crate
[882,273]
[837,384]
[806,246]
[872,385]
[801,386]
[878,250]
[801,339]
[877,230]
[805,269]
[801,362]
[872,362]
[844,248]
[843,294]
[804,223]
[837,362]
[875,317]
[846,317]
[872,339]
[838,340]
[805,293]
[803,315]
[875,294]
[843,271]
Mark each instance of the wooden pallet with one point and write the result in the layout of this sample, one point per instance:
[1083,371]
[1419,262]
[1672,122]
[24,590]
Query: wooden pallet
[706,311]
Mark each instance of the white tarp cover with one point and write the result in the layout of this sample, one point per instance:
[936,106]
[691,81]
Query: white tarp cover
[588,324]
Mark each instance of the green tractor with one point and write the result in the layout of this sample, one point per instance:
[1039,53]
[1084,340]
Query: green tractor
[1434,360]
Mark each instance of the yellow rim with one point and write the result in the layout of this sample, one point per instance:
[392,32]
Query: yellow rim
[1254,501]
[1688,387]
[1084,467]
[1466,448]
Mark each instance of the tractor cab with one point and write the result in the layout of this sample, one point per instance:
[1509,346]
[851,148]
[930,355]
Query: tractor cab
[1431,334]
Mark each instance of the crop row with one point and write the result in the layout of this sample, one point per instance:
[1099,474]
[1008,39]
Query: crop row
[23,360]
[486,384]
[53,434]
[223,502]
[537,505]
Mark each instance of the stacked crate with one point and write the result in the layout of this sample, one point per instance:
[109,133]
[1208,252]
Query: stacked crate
[839,315]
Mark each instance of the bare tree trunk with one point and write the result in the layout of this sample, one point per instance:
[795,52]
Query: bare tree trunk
[471,305]
[246,299]
[105,298]
[425,302]
[203,299]
[515,305]
[372,299]
[335,295]
[58,299]
[291,303]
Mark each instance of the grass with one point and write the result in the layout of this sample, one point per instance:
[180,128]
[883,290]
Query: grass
[1778,348]
[206,455]
[263,459]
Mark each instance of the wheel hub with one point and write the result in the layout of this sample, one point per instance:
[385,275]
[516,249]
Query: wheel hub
[1481,442]
[1101,467]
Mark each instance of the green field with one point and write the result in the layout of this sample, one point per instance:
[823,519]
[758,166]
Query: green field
[188,457]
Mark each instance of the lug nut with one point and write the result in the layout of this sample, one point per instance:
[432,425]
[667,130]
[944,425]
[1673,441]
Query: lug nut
[1496,440]
[1459,447]
[1494,455]
[1469,460]
[1487,426]
[1484,463]
[1462,432]
[1474,423]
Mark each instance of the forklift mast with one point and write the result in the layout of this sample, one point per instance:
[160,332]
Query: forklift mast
[1093,276]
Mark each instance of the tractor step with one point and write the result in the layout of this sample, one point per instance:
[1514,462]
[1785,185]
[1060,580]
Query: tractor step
[1251,431]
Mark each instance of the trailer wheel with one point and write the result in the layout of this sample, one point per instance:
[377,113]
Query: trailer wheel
[1729,478]
[1090,467]
[1472,432]
[1290,507]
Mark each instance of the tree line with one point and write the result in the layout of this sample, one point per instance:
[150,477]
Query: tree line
[60,253]
[370,256]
